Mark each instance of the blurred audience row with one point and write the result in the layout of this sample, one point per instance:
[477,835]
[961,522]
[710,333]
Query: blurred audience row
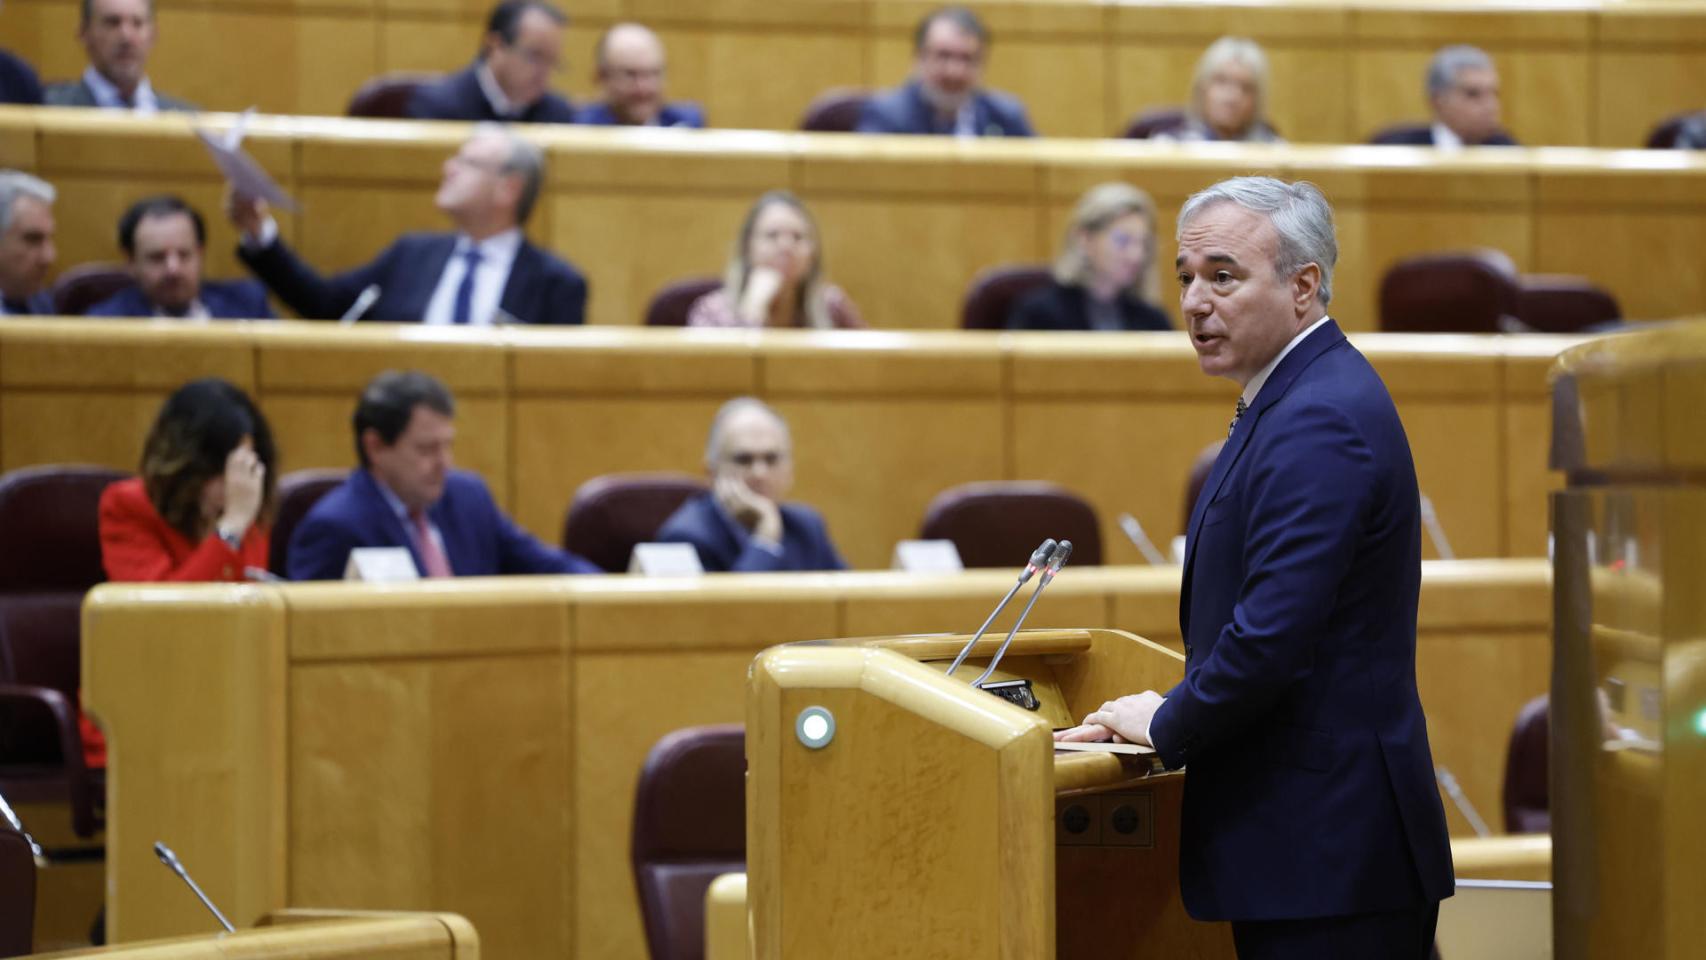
[522,51]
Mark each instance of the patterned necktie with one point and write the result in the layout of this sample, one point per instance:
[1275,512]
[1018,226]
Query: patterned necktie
[1237,415]
[431,555]
[462,312]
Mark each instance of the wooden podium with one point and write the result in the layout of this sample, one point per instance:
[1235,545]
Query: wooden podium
[895,811]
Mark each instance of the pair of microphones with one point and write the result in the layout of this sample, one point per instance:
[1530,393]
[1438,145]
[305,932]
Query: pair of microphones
[1046,559]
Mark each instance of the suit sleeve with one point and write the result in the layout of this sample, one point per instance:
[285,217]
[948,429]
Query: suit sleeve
[1020,124]
[873,119]
[319,549]
[521,552]
[1032,312]
[131,551]
[312,296]
[566,301]
[1307,496]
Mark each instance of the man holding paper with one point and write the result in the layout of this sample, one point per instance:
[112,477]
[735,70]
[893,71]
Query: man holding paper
[1311,820]
[484,273]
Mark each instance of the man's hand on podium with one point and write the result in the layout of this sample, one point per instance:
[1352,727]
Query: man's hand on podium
[1125,720]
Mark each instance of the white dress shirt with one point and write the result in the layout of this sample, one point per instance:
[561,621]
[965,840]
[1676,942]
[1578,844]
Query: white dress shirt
[495,95]
[1444,139]
[107,96]
[497,256]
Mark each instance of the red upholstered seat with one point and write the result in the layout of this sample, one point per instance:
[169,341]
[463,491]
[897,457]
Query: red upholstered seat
[387,95]
[612,513]
[998,524]
[1200,470]
[994,291]
[50,555]
[1555,304]
[17,891]
[1472,292]
[835,111]
[85,285]
[1151,122]
[670,306]
[297,493]
[1528,792]
[689,828]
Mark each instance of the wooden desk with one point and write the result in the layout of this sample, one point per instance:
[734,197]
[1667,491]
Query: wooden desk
[881,422]
[473,745]
[1602,72]
[907,222]
[311,935]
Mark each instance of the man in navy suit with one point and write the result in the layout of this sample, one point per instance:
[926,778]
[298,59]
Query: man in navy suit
[1463,91]
[945,94]
[1311,819]
[26,243]
[484,273]
[18,80]
[511,78]
[118,36]
[164,239]
[405,494]
[630,64]
[742,525]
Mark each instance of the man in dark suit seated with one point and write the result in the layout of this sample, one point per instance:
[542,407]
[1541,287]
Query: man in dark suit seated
[18,80]
[406,494]
[511,78]
[118,35]
[1310,820]
[630,65]
[26,244]
[945,94]
[164,239]
[1463,90]
[484,273]
[742,525]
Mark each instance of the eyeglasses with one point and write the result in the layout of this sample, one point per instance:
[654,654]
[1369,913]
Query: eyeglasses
[769,458]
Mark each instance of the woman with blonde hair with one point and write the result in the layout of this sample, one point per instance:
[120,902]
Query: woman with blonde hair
[775,275]
[1104,276]
[1229,96]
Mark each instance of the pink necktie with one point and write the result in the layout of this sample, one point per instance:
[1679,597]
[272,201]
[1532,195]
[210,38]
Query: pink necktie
[431,555]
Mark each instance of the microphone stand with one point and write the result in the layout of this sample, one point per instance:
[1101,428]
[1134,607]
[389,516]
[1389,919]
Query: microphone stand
[1039,557]
[1055,562]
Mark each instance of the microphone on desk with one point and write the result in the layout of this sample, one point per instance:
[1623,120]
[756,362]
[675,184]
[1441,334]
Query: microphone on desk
[170,859]
[1039,559]
[1055,562]
[1134,532]
[363,302]
[1436,533]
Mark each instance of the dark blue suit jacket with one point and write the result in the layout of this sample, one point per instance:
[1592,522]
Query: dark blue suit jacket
[726,546]
[1422,135]
[541,288]
[459,97]
[1310,785]
[678,114]
[40,305]
[1056,306]
[904,110]
[18,80]
[225,300]
[479,540]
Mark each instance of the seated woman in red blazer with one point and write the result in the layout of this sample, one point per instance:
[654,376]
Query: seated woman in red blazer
[198,512]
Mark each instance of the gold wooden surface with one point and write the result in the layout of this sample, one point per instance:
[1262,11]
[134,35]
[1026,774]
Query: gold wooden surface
[1522,856]
[385,936]
[907,223]
[1599,73]
[726,934]
[434,739]
[880,425]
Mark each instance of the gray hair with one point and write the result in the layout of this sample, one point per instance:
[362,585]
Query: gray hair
[727,412]
[15,184]
[526,159]
[1444,67]
[1299,213]
[1239,50]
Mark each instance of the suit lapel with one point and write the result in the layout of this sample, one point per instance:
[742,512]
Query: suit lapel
[397,532]
[520,283]
[436,256]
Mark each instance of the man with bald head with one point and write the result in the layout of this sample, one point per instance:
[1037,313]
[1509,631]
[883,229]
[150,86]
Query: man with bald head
[118,36]
[510,80]
[630,64]
[742,525]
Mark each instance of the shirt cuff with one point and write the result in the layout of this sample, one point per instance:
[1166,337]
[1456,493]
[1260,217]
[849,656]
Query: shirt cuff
[266,237]
[1151,725]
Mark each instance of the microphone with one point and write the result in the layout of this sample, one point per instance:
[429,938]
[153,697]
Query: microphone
[1461,801]
[1436,533]
[170,859]
[1061,552]
[1134,532]
[1039,558]
[363,302]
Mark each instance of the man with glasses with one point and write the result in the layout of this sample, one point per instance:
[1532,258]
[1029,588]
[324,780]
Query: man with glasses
[742,525]
[511,79]
[945,94]
[630,65]
[484,273]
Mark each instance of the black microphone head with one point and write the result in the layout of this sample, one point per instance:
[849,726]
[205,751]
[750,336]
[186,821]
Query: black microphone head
[165,854]
[1061,552]
[1039,558]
